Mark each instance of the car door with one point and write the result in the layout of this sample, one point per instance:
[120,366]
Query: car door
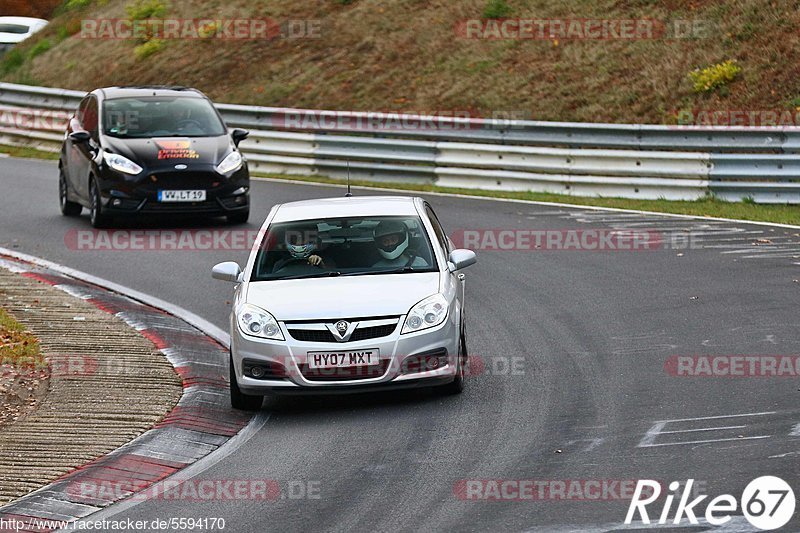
[70,151]
[82,154]
[447,246]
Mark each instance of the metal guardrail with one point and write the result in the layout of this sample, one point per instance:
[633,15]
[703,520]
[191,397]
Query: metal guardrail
[625,160]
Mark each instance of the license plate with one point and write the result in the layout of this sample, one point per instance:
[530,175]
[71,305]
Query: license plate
[181,196]
[370,357]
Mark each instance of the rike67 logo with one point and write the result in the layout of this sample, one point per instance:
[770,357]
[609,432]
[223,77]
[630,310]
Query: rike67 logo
[767,503]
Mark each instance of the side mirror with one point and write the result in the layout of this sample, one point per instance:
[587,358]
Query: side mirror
[227,271]
[461,258]
[79,137]
[238,135]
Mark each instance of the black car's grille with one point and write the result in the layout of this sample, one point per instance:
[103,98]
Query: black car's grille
[360,334]
[350,373]
[181,207]
[188,180]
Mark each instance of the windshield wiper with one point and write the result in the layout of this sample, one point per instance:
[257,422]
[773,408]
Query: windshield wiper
[401,270]
[329,274]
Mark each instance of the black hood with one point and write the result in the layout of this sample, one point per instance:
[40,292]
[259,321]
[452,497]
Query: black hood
[166,152]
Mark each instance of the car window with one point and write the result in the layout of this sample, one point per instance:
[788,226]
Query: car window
[438,230]
[17,29]
[346,247]
[82,110]
[161,117]
[89,120]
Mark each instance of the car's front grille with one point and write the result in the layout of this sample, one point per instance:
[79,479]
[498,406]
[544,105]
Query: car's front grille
[360,334]
[350,373]
[373,332]
[312,335]
[182,207]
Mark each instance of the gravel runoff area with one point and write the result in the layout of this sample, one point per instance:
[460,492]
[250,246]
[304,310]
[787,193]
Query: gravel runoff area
[105,385]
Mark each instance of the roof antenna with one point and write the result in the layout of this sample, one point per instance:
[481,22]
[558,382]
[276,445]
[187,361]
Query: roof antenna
[349,194]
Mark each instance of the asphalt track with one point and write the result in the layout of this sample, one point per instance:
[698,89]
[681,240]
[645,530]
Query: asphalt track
[587,332]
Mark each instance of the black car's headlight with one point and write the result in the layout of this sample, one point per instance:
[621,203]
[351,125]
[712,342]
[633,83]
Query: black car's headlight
[121,164]
[233,161]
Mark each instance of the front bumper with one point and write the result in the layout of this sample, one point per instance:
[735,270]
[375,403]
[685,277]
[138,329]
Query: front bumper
[122,195]
[395,372]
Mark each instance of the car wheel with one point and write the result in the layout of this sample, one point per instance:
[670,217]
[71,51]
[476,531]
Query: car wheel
[98,219]
[68,209]
[239,218]
[240,400]
[457,385]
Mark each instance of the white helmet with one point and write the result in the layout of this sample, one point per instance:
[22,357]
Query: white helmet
[302,241]
[395,233]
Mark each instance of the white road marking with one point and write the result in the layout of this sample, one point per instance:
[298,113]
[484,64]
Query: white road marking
[649,439]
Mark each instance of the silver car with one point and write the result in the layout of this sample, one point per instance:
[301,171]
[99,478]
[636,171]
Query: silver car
[347,294]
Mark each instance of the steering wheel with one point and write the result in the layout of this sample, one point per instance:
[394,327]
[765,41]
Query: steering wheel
[294,260]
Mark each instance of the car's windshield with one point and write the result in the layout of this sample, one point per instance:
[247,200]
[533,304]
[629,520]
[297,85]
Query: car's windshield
[16,29]
[344,247]
[161,117]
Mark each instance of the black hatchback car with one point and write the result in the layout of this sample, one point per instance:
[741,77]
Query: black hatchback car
[142,150]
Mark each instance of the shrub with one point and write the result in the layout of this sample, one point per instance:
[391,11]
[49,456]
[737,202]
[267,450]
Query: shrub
[147,49]
[146,9]
[707,79]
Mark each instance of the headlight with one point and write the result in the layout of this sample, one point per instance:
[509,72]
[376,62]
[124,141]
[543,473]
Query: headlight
[231,162]
[121,164]
[258,323]
[428,313]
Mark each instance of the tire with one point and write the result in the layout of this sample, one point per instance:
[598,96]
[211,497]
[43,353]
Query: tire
[96,216]
[239,218]
[240,400]
[457,385]
[68,209]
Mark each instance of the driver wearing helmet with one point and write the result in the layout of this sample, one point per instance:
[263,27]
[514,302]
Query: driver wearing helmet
[392,239]
[303,244]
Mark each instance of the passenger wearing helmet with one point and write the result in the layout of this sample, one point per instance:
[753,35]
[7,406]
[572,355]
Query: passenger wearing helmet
[392,240]
[303,244]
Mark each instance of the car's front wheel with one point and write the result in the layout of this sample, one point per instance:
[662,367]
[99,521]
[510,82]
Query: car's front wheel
[96,215]
[240,400]
[68,209]
[457,385]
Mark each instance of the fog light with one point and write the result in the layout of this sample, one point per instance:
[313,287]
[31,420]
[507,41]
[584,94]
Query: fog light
[257,372]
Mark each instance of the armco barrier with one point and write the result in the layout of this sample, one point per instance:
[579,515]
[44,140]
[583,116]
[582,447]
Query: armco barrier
[626,160]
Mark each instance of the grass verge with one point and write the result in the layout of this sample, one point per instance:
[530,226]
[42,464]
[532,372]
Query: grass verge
[18,347]
[25,151]
[709,207]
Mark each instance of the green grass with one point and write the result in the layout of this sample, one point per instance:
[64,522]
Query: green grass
[711,207]
[18,346]
[24,151]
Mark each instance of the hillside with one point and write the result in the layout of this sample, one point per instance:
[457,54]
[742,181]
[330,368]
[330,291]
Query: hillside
[411,55]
